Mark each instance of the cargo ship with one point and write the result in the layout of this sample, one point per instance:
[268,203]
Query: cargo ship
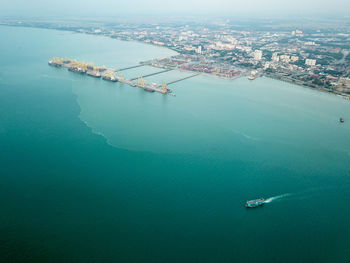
[255,203]
[110,78]
[55,63]
[149,89]
[94,74]
[77,70]
[102,69]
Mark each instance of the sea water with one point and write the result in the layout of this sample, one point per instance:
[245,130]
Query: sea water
[93,171]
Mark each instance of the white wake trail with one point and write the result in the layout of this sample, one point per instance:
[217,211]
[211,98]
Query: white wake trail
[274,198]
[303,194]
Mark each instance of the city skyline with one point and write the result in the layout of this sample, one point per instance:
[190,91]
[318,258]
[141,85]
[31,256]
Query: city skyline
[238,8]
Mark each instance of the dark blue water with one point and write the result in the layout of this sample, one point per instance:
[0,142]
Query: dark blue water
[168,180]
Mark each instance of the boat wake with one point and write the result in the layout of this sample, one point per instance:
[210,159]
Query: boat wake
[297,195]
[278,197]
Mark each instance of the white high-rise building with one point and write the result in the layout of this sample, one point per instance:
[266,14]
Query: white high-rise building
[257,54]
[275,57]
[267,65]
[310,62]
[294,58]
[285,58]
[310,43]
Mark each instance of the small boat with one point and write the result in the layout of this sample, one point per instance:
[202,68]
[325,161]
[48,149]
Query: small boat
[255,203]
[341,120]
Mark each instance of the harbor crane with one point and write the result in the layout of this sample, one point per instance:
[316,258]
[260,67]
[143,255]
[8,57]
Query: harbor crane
[141,82]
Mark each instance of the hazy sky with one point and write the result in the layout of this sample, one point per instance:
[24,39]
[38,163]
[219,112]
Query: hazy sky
[227,7]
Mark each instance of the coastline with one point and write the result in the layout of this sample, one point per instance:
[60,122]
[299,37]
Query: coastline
[344,96]
[296,82]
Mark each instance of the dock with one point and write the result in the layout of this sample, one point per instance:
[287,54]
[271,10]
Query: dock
[172,82]
[109,74]
[137,66]
[152,74]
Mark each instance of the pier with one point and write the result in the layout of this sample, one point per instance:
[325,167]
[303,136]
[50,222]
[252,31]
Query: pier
[172,82]
[137,66]
[109,74]
[155,73]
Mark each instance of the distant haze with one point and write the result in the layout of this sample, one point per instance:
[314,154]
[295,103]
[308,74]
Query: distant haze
[165,7]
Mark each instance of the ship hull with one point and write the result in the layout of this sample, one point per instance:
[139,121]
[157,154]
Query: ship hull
[149,90]
[253,206]
[110,79]
[76,70]
[255,203]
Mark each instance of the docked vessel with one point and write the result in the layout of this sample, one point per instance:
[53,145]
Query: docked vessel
[149,89]
[255,203]
[110,78]
[94,74]
[54,63]
[77,69]
[251,77]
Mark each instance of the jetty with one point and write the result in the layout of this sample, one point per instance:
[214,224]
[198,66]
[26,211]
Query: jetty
[90,69]
[177,80]
[114,75]
[137,66]
[152,74]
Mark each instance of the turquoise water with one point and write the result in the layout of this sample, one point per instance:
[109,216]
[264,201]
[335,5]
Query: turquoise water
[92,171]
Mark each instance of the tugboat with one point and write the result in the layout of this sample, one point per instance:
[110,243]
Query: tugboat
[341,120]
[255,203]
